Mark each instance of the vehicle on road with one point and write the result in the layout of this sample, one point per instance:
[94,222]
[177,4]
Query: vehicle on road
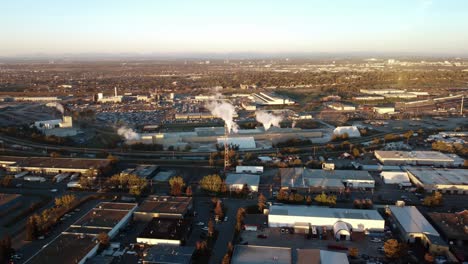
[54,190]
[205,228]
[376,240]
[225,219]
[200,224]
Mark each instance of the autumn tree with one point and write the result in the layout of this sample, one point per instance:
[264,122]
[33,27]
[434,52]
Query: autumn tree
[6,181]
[433,200]
[309,200]
[210,228]
[282,195]
[211,183]
[408,135]
[219,210]
[240,218]
[392,248]
[261,202]
[31,229]
[226,259]
[177,184]
[188,191]
[103,239]
[353,252]
[429,258]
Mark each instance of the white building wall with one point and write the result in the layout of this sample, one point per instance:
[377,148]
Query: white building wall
[154,241]
[361,224]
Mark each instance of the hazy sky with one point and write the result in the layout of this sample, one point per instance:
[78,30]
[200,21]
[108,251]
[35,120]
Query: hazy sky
[224,26]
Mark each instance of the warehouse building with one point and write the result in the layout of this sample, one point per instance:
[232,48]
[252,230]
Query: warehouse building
[163,206]
[241,142]
[452,181]
[453,226]
[50,166]
[396,177]
[78,243]
[351,131]
[415,228]
[248,254]
[165,231]
[342,221]
[317,256]
[168,254]
[416,158]
[236,181]
[315,180]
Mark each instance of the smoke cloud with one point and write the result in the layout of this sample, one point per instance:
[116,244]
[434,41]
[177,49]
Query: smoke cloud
[225,111]
[57,106]
[268,119]
[128,133]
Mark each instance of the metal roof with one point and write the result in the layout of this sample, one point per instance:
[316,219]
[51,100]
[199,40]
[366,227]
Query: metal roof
[412,221]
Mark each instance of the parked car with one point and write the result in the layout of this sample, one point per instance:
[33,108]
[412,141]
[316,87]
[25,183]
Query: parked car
[376,240]
[200,224]
[261,236]
[225,219]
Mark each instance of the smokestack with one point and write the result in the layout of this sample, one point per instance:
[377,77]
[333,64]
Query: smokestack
[115,91]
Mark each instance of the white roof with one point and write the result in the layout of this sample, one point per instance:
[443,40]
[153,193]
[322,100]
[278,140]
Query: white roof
[412,220]
[395,177]
[242,178]
[316,211]
[412,155]
[352,131]
[242,142]
[440,176]
[331,257]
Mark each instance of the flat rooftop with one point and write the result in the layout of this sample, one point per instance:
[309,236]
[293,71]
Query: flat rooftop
[65,163]
[317,256]
[165,228]
[433,176]
[64,249]
[412,155]
[300,177]
[247,254]
[412,220]
[326,212]
[169,254]
[104,215]
[165,204]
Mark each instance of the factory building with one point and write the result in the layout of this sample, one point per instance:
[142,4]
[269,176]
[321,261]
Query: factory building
[165,231]
[341,221]
[395,177]
[168,254]
[382,110]
[416,158]
[341,107]
[36,99]
[452,181]
[241,142]
[318,256]
[414,228]
[314,180]
[66,122]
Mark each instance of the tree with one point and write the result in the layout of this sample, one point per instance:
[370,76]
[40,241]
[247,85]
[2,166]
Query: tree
[219,210]
[433,200]
[188,191]
[408,135]
[31,229]
[392,248]
[245,189]
[177,184]
[309,200]
[112,159]
[103,239]
[282,195]
[210,228]
[429,258]
[261,202]
[321,198]
[5,249]
[211,183]
[240,218]
[353,252]
[226,259]
[356,152]
[6,181]
[55,155]
[331,200]
[85,182]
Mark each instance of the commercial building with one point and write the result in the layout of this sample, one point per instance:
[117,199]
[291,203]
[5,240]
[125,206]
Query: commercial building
[315,180]
[36,98]
[416,158]
[453,181]
[66,122]
[342,221]
[168,254]
[414,227]
[142,171]
[78,243]
[382,91]
[165,231]
[351,131]
[247,254]
[163,207]
[49,166]
[395,177]
[368,98]
[382,110]
[317,256]
[236,181]
[341,107]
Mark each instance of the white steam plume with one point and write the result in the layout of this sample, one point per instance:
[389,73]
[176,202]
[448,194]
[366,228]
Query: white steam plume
[268,119]
[225,111]
[128,133]
[57,106]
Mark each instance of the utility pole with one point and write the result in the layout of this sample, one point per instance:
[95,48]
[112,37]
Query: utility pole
[226,149]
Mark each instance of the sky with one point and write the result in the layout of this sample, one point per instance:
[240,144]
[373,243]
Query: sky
[430,27]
